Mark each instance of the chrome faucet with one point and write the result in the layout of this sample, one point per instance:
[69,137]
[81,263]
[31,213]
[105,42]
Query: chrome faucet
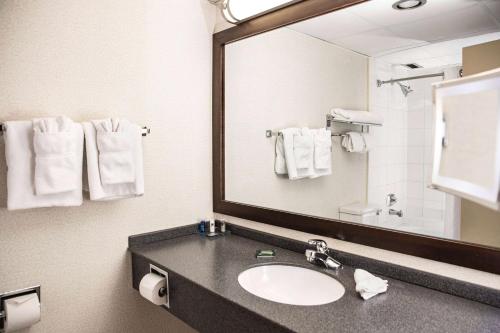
[396,212]
[320,257]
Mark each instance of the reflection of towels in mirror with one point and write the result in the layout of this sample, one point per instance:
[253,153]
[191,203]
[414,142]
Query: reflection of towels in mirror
[279,162]
[322,152]
[298,146]
[303,153]
[355,142]
[357,116]
[303,149]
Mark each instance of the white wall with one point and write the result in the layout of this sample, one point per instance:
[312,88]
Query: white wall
[149,61]
[285,79]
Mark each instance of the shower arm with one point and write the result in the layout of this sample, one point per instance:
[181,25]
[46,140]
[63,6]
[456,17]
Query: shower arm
[391,81]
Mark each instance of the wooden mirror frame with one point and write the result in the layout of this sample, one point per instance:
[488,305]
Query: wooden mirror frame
[484,258]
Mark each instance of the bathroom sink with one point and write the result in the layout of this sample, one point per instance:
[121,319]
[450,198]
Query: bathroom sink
[291,285]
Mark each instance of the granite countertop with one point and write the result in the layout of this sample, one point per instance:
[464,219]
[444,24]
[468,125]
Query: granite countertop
[216,263]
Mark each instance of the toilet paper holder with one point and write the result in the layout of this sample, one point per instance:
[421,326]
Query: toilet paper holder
[15,293]
[165,290]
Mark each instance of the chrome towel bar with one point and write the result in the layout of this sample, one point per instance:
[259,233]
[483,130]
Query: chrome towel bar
[145,130]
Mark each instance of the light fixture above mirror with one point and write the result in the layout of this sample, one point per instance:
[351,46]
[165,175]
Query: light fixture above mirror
[408,4]
[236,11]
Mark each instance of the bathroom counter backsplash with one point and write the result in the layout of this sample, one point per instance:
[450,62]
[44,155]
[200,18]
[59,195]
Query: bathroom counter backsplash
[205,293]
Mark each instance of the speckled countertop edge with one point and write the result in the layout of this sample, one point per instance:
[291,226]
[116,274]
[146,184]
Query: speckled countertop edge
[440,283]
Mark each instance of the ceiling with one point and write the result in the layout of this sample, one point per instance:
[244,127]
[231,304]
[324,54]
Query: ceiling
[374,28]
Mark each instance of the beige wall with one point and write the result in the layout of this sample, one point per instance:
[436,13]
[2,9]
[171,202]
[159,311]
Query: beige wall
[480,224]
[281,79]
[149,61]
[481,57]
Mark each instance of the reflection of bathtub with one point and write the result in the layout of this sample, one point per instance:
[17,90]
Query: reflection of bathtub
[417,225]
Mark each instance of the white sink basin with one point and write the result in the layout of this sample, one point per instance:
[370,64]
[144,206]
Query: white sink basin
[291,285]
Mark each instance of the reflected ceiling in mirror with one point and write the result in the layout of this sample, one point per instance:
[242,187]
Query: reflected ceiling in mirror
[292,77]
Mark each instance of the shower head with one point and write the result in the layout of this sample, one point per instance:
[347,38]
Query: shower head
[405,89]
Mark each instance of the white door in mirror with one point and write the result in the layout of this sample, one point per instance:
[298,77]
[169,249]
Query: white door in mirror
[467,137]
[291,285]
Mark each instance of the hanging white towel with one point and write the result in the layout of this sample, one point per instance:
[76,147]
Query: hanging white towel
[279,161]
[368,285]
[357,116]
[303,149]
[294,172]
[322,149]
[57,168]
[115,138]
[353,142]
[20,158]
[98,190]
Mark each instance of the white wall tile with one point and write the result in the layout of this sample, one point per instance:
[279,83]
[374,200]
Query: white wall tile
[440,205]
[433,195]
[416,137]
[415,120]
[415,190]
[415,172]
[416,104]
[412,211]
[428,137]
[428,155]
[415,155]
[435,214]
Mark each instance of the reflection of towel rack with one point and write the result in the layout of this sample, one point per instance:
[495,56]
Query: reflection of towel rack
[365,127]
[144,130]
[271,133]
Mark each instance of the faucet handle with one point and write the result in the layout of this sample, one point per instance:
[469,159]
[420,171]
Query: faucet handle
[320,244]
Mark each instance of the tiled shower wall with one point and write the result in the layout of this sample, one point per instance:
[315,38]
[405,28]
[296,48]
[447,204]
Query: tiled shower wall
[422,201]
[387,159]
[401,159]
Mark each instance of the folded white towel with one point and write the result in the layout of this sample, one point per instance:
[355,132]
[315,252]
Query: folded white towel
[20,157]
[57,168]
[368,285]
[357,116]
[279,162]
[115,139]
[98,190]
[304,152]
[322,152]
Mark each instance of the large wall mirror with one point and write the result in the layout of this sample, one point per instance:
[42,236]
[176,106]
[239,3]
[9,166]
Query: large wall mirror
[299,69]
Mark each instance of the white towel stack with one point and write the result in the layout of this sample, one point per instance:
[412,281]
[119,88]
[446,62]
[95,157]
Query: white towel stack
[368,285]
[114,143]
[303,153]
[57,166]
[355,142]
[44,160]
[114,159]
[357,116]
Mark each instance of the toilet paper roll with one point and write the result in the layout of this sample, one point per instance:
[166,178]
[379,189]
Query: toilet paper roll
[150,286]
[21,312]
